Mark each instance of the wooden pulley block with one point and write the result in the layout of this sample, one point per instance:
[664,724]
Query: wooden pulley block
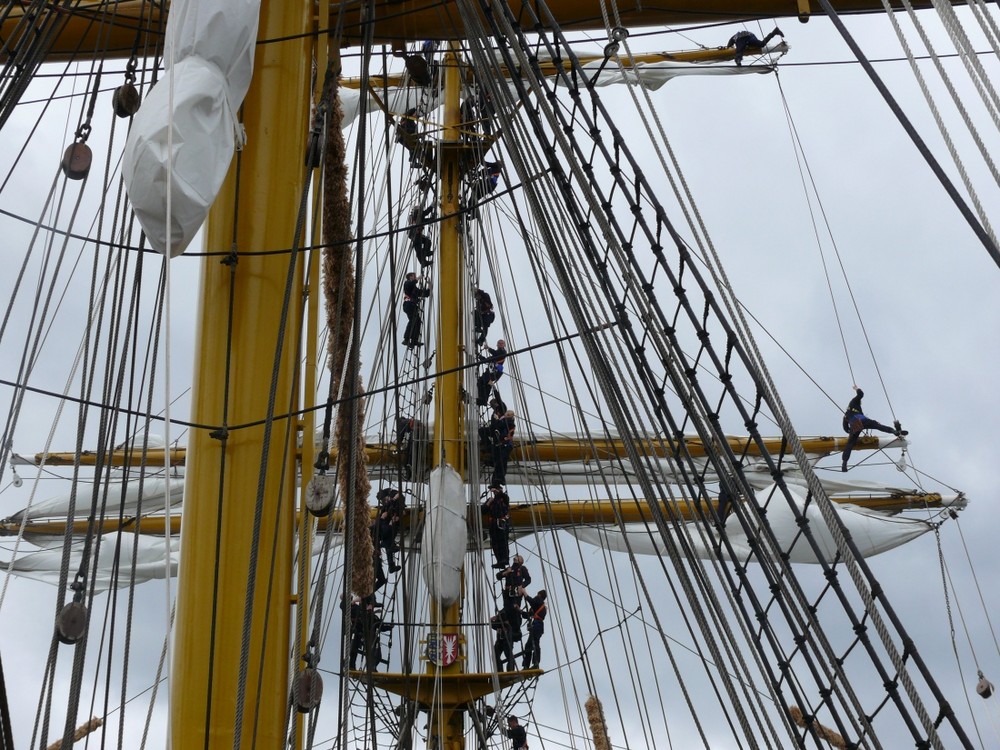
[71,623]
[984,687]
[319,494]
[126,100]
[307,690]
[76,161]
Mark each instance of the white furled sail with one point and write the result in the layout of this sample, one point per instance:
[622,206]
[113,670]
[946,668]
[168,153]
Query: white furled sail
[149,555]
[445,535]
[654,74]
[872,532]
[184,135]
[122,498]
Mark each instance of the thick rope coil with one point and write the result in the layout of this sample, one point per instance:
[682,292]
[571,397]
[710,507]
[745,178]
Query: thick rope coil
[598,727]
[81,731]
[339,289]
[822,732]
[362,575]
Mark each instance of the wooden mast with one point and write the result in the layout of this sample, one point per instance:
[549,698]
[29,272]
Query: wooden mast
[232,385]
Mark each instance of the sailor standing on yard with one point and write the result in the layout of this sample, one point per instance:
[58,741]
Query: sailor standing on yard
[855,421]
[744,40]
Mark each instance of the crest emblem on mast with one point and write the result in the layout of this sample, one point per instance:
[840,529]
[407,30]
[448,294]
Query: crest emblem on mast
[442,649]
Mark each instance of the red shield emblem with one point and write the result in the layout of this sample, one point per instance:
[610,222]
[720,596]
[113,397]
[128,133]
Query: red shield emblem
[442,649]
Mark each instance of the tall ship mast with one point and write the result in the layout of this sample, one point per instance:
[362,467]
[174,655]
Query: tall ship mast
[484,447]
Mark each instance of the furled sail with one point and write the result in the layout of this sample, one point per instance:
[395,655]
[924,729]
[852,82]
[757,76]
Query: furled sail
[122,498]
[873,533]
[183,136]
[111,570]
[397,99]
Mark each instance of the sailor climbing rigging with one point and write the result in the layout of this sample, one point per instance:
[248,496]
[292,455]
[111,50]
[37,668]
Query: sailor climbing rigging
[493,371]
[483,316]
[422,245]
[412,294]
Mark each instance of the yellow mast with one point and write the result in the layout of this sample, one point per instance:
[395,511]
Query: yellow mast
[447,723]
[232,386]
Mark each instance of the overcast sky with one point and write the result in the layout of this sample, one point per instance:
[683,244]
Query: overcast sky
[922,282]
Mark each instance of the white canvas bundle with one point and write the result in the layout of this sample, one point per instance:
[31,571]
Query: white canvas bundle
[445,535]
[184,135]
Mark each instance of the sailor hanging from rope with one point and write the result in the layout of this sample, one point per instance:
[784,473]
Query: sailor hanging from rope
[744,40]
[855,421]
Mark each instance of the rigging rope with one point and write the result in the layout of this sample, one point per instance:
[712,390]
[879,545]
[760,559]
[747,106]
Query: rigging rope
[803,617]
[984,236]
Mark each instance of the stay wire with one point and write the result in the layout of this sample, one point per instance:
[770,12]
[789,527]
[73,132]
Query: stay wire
[977,228]
[606,380]
[806,171]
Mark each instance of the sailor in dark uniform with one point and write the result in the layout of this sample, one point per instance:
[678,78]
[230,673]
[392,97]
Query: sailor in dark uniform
[492,373]
[503,647]
[483,316]
[391,506]
[498,506]
[535,615]
[517,735]
[855,421]
[744,40]
[503,446]
[514,578]
[412,294]
[422,245]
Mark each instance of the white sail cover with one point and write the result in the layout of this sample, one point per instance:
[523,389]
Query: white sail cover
[872,532]
[445,535]
[149,552]
[185,132]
